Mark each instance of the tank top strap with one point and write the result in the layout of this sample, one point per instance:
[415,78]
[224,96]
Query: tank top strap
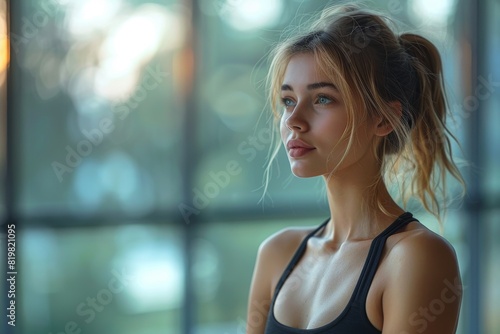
[375,253]
[296,257]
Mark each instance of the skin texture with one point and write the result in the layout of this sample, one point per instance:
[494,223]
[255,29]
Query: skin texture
[417,287]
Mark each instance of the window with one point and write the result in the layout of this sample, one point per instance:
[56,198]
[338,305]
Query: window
[133,149]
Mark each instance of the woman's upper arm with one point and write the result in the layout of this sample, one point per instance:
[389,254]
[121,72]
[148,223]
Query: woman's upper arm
[424,290]
[272,258]
[260,293]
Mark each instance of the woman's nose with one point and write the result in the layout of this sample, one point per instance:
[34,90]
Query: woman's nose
[296,120]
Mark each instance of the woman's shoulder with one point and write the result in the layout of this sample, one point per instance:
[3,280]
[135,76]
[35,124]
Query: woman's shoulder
[419,242]
[421,254]
[287,235]
[279,248]
[284,241]
[420,273]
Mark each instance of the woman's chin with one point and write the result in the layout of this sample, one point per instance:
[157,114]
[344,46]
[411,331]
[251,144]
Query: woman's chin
[303,173]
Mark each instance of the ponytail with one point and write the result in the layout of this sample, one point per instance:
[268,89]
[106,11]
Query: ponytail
[429,145]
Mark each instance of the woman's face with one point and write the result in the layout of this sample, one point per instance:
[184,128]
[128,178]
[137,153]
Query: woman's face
[314,120]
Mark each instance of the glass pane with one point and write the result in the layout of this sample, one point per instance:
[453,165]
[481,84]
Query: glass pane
[491,290]
[127,279]
[97,109]
[489,97]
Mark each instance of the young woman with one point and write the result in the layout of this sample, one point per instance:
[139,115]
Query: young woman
[360,103]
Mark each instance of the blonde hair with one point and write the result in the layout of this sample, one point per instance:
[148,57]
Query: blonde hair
[373,67]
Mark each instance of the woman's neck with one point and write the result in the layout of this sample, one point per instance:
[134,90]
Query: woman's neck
[352,198]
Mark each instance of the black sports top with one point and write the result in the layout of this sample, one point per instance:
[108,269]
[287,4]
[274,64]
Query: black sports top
[353,318]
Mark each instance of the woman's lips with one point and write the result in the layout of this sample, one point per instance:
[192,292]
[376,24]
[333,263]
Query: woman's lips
[298,148]
[297,152]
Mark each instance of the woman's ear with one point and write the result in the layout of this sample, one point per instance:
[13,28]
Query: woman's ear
[384,127]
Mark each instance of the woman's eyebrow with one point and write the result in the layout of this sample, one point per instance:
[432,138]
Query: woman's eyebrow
[321,85]
[312,86]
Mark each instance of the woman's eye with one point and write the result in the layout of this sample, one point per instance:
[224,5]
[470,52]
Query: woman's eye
[287,102]
[323,100]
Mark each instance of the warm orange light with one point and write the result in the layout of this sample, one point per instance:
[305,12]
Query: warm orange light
[4,44]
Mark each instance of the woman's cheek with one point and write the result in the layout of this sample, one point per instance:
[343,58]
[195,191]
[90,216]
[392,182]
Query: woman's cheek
[283,129]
